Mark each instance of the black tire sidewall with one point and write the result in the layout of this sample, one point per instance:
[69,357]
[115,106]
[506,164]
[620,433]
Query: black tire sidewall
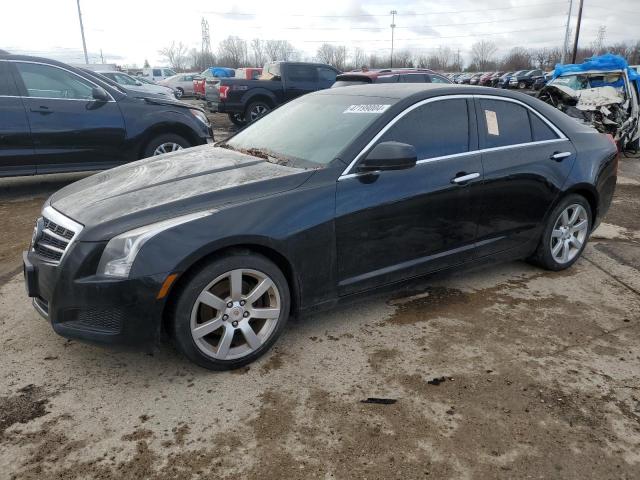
[164,138]
[544,256]
[181,92]
[235,121]
[181,321]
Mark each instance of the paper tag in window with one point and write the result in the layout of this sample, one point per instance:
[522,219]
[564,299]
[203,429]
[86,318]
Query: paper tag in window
[369,108]
[492,122]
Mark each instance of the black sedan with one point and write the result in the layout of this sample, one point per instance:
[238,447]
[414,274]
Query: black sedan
[334,194]
[57,118]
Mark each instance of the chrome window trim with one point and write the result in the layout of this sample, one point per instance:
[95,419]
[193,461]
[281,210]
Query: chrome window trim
[61,68]
[561,136]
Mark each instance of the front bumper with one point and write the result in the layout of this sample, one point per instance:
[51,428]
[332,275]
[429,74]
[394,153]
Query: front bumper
[80,305]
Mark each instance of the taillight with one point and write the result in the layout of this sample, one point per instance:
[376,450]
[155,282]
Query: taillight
[224,90]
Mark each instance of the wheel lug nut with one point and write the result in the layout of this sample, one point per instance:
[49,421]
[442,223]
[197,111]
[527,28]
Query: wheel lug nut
[242,302]
[234,323]
[245,314]
[230,305]
[225,317]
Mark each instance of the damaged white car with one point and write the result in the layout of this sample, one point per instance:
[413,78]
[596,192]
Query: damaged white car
[602,93]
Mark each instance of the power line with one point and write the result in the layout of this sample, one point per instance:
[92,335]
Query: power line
[409,14]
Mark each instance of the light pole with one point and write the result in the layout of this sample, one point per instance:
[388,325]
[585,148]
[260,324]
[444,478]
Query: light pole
[565,47]
[84,44]
[393,27]
[575,43]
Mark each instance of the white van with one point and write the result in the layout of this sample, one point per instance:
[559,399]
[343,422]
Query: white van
[157,73]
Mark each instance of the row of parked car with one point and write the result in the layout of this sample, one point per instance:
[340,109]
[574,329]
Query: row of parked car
[521,79]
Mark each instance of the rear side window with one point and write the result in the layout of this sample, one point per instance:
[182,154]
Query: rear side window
[436,129]
[505,123]
[540,130]
[414,78]
[157,72]
[438,79]
[301,73]
[387,79]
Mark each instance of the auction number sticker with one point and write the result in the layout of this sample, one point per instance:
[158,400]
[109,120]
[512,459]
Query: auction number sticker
[492,122]
[368,108]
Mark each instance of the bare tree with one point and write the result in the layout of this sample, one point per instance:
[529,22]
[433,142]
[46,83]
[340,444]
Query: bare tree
[518,58]
[280,50]
[358,58]
[175,55]
[482,53]
[201,60]
[259,55]
[232,52]
[325,53]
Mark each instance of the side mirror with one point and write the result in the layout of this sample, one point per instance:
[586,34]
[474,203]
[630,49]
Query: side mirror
[389,156]
[98,93]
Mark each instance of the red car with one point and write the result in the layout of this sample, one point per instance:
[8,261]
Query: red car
[396,75]
[209,75]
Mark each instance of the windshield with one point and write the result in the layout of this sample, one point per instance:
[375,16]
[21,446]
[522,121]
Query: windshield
[593,80]
[311,131]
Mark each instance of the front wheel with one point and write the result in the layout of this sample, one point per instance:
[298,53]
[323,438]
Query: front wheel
[179,93]
[565,235]
[165,143]
[231,311]
[522,85]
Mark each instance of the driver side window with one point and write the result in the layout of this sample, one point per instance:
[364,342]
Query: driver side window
[435,129]
[44,81]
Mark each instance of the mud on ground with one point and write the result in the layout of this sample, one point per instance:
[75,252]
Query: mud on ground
[537,375]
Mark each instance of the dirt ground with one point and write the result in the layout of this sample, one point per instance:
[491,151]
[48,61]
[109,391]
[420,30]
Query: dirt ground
[504,371]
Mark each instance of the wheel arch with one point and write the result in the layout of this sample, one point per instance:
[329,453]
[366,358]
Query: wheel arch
[589,193]
[263,96]
[195,264]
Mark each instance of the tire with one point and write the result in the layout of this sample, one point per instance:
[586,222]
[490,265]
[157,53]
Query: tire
[559,236]
[179,93]
[169,142]
[521,85]
[255,110]
[223,344]
[237,119]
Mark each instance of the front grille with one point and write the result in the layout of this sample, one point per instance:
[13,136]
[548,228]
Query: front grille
[57,233]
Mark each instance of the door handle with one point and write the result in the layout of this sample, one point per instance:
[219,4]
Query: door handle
[463,178]
[559,156]
[43,110]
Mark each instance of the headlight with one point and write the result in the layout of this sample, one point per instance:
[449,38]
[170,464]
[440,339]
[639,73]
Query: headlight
[200,116]
[121,251]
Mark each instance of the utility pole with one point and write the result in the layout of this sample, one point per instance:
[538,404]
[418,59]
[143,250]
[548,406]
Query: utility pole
[565,45]
[101,56]
[84,44]
[393,27]
[575,43]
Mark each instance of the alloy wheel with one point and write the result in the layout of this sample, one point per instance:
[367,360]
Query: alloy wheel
[569,233]
[235,314]
[167,148]
[257,111]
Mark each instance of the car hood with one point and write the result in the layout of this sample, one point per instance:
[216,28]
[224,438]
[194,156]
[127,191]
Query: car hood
[161,187]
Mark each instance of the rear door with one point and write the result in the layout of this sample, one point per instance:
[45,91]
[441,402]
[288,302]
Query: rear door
[70,130]
[398,224]
[326,77]
[300,79]
[16,147]
[526,160]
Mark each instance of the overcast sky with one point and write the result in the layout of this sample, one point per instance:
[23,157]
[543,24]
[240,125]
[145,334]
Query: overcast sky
[130,31]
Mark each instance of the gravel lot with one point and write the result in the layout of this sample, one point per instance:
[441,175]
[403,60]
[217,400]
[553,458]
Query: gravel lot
[504,371]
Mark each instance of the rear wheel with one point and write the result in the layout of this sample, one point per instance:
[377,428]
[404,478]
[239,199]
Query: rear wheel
[255,110]
[165,143]
[231,311]
[565,235]
[521,85]
[179,92]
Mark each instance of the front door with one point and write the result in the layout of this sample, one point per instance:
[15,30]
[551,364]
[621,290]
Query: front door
[70,130]
[394,225]
[16,147]
[525,162]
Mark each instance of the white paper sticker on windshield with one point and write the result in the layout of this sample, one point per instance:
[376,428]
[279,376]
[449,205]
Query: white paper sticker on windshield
[369,108]
[492,122]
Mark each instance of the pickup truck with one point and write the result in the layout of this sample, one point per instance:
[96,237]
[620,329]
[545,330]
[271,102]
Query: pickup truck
[247,100]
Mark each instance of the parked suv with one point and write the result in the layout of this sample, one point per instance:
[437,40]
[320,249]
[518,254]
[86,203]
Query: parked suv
[247,100]
[403,75]
[525,79]
[57,118]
